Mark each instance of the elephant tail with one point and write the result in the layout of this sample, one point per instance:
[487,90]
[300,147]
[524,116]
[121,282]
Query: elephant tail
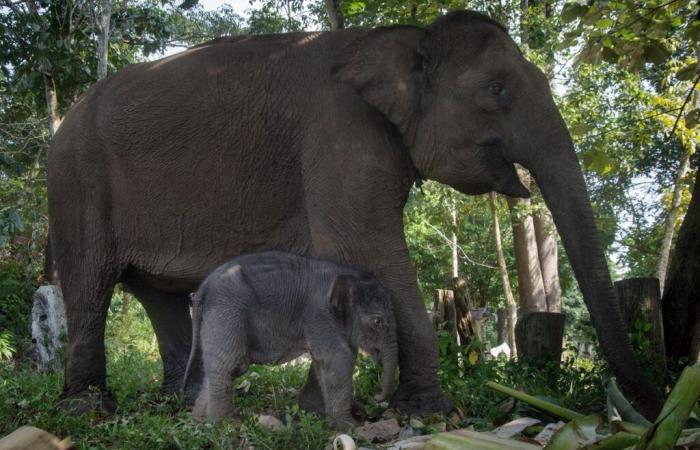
[195,349]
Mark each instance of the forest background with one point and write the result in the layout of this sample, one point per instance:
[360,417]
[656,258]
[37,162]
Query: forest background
[624,75]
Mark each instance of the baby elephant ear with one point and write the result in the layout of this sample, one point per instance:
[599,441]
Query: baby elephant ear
[343,296]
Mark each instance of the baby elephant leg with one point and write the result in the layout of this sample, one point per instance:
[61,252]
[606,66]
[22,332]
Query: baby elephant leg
[334,372]
[224,354]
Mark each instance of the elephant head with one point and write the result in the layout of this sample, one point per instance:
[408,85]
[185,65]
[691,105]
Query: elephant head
[468,106]
[364,307]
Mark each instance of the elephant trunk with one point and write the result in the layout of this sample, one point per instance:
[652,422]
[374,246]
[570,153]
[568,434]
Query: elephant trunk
[563,188]
[389,364]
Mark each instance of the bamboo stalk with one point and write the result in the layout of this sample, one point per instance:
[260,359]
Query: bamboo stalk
[674,414]
[628,427]
[617,441]
[624,407]
[536,402]
[464,439]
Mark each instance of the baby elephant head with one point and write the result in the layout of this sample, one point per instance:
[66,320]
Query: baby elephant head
[364,308]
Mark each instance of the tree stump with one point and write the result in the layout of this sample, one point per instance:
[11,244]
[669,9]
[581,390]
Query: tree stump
[444,312]
[539,336]
[48,328]
[463,307]
[640,305]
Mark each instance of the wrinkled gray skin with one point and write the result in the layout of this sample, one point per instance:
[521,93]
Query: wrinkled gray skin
[269,308]
[309,143]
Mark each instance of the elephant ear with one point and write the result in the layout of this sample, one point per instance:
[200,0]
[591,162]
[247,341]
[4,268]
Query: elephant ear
[386,68]
[343,296]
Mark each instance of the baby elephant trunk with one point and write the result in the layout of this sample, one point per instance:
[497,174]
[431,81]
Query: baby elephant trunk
[389,362]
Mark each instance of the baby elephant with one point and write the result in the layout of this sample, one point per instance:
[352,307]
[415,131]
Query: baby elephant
[271,307]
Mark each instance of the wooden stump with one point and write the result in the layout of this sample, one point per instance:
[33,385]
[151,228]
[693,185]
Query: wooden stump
[463,306]
[444,312]
[539,336]
[640,305]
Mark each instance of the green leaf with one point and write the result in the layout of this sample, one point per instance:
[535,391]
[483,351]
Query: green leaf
[573,11]
[655,52]
[592,16]
[580,128]
[692,118]
[687,72]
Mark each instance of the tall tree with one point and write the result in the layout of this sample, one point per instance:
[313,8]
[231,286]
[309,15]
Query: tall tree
[103,19]
[510,300]
[335,15]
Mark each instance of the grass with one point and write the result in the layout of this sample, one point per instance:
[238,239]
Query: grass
[147,420]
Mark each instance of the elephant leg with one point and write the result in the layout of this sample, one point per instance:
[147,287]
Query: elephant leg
[311,397]
[170,317]
[419,390]
[87,281]
[224,356]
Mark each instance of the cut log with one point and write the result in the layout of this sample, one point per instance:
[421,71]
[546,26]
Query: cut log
[640,304]
[539,336]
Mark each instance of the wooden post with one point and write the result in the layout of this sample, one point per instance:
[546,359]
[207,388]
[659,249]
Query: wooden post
[539,336]
[640,305]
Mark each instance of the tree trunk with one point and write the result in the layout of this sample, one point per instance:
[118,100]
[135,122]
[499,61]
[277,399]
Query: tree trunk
[681,299]
[546,236]
[454,244]
[51,101]
[335,16]
[103,39]
[530,284]
[539,336]
[501,326]
[49,84]
[670,224]
[463,308]
[640,305]
[510,300]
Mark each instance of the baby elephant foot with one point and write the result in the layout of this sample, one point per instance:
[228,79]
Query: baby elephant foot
[345,423]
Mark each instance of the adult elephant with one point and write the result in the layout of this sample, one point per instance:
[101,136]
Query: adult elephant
[305,142]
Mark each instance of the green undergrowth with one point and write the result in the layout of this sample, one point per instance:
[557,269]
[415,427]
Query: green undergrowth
[147,420]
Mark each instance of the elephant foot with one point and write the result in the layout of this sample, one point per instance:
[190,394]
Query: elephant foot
[191,393]
[412,400]
[87,402]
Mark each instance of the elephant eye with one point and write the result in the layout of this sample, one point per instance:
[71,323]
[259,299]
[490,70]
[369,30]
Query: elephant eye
[496,88]
[378,321]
